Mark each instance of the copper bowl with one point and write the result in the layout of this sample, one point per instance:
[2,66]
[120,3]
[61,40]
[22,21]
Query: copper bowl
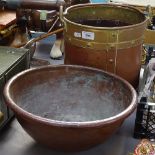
[68,107]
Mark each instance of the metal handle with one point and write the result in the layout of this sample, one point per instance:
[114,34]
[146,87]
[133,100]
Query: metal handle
[1,116]
[149,14]
[30,42]
[32,4]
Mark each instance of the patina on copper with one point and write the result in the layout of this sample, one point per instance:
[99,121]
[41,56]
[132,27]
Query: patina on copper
[69,108]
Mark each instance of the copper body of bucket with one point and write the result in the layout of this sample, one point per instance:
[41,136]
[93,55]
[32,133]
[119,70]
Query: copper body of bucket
[114,49]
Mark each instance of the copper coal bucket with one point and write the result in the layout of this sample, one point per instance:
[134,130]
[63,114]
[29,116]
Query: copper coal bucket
[105,36]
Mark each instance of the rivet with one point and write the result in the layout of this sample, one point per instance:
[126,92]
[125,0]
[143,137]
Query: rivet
[112,45]
[111,60]
[88,44]
[113,34]
[133,42]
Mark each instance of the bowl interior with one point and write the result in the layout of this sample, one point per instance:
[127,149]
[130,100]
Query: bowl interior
[71,94]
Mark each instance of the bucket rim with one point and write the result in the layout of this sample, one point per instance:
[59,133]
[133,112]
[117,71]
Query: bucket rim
[143,23]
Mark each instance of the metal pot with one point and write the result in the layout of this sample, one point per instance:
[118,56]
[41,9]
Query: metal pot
[69,108]
[105,36]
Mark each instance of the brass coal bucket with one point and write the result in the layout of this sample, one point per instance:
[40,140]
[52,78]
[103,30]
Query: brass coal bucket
[105,36]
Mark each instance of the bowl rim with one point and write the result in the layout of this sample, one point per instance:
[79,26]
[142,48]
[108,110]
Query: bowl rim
[29,116]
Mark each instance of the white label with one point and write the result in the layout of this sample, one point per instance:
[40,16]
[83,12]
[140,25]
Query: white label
[88,35]
[77,34]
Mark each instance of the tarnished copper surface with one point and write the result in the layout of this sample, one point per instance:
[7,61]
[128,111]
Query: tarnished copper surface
[128,60]
[116,49]
[69,108]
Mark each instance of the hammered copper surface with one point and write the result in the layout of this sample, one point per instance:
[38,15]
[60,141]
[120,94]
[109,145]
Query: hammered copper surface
[70,108]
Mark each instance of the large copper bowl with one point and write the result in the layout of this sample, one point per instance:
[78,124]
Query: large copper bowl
[69,107]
